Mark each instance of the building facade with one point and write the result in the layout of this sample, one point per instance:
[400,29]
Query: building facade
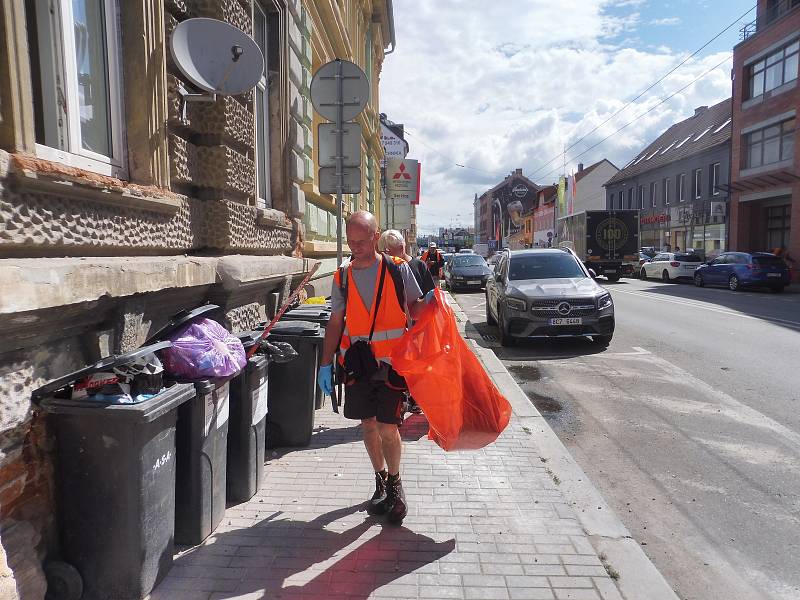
[544,217]
[122,204]
[498,224]
[765,168]
[678,184]
[589,193]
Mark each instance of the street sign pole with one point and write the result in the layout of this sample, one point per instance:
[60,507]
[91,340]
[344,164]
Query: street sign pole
[339,159]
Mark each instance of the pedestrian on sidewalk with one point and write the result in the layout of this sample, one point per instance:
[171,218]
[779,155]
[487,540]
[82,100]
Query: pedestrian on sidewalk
[369,300]
[392,243]
[435,261]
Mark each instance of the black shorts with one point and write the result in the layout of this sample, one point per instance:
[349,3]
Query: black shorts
[376,397]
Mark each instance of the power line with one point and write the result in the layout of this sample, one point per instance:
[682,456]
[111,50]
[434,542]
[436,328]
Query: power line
[649,110]
[650,87]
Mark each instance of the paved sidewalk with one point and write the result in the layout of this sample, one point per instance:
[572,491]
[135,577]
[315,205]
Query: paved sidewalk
[484,524]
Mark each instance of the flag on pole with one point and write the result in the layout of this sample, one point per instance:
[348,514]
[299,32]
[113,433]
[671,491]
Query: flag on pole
[562,185]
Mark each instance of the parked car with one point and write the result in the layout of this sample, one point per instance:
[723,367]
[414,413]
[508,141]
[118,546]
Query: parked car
[547,293]
[737,270]
[466,270]
[466,251]
[670,265]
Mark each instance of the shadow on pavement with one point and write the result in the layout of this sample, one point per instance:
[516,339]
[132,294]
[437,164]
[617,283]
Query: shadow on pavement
[282,558]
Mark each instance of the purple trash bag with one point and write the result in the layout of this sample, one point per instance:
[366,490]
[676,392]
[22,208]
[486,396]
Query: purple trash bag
[203,348]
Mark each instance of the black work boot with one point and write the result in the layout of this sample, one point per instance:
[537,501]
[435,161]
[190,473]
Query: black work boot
[396,499]
[377,504]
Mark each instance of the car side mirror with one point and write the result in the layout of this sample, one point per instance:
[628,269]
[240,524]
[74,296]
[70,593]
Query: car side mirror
[592,274]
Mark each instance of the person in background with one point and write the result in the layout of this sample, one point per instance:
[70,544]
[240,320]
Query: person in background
[374,392]
[435,261]
[392,243]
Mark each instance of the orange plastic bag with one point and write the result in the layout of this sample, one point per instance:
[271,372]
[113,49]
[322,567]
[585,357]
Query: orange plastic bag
[464,408]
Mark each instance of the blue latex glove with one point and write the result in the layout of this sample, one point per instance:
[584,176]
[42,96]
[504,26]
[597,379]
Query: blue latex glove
[429,297]
[325,379]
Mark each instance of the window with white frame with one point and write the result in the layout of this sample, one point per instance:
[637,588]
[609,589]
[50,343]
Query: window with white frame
[769,145]
[698,180]
[641,196]
[715,179]
[261,110]
[653,190]
[74,56]
[681,186]
[666,191]
[774,70]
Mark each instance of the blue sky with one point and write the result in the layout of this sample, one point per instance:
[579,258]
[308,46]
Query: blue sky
[484,88]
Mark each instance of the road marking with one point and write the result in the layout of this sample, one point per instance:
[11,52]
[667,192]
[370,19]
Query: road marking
[704,306]
[743,411]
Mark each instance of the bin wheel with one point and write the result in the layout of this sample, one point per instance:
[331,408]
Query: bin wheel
[63,581]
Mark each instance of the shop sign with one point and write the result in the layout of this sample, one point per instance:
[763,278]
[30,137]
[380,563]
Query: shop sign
[718,209]
[650,219]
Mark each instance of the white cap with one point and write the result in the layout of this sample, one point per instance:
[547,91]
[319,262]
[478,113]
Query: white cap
[432,245]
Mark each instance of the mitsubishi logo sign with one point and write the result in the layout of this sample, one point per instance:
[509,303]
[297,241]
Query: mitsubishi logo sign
[401,173]
[564,308]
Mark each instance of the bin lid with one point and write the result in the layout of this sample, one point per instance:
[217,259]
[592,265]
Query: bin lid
[147,411]
[104,364]
[317,316]
[180,319]
[296,328]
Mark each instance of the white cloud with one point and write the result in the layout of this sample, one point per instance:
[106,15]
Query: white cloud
[666,21]
[499,86]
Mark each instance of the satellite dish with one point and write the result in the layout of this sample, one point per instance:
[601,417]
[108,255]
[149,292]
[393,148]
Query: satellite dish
[216,56]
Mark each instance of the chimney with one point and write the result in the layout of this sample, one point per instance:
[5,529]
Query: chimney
[518,171]
[580,167]
[700,110]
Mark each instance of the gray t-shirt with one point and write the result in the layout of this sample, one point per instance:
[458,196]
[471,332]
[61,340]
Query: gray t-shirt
[365,281]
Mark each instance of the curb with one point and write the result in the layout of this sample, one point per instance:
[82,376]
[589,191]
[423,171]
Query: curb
[638,577]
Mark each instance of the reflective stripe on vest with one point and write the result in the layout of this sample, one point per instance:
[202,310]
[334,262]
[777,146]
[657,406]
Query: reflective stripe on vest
[390,323]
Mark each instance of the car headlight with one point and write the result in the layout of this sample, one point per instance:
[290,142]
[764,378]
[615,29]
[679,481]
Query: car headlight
[605,302]
[515,304]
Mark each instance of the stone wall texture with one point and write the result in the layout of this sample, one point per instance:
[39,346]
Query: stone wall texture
[49,222]
[231,227]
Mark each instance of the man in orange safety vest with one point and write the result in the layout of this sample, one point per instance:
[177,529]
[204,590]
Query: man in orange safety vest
[373,299]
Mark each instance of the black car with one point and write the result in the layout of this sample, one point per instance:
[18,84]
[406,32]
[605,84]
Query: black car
[466,271]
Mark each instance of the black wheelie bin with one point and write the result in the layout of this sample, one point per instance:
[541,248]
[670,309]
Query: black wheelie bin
[246,441]
[202,440]
[115,474]
[314,313]
[293,385]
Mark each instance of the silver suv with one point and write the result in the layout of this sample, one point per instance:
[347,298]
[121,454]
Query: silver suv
[545,293]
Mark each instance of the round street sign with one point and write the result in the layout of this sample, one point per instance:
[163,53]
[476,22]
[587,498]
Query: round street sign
[355,90]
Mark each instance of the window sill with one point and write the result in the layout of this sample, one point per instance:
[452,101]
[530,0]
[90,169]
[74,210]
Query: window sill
[38,175]
[269,217]
[781,89]
[76,161]
[784,164]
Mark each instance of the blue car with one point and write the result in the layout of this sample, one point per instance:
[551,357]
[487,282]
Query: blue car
[736,270]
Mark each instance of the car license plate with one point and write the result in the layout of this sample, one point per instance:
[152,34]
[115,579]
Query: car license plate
[610,271]
[689,267]
[773,274]
[473,283]
[567,321]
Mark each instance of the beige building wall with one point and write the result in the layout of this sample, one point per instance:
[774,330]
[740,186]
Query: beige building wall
[97,254]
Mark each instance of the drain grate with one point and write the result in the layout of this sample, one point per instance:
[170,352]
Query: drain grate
[489,337]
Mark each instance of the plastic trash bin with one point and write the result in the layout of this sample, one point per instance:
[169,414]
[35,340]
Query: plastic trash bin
[201,448]
[246,441]
[313,314]
[116,482]
[293,385]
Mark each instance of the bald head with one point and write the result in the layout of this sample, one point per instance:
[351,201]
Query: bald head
[362,236]
[364,221]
